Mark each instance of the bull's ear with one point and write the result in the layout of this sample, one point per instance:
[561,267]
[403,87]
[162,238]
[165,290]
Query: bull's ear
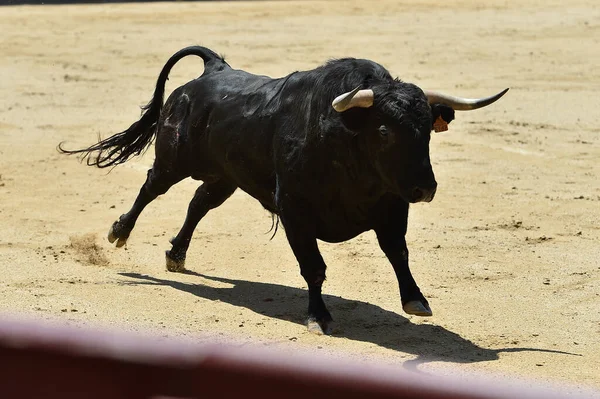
[443,111]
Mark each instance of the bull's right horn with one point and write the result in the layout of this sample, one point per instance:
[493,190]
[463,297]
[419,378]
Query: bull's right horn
[462,104]
[354,98]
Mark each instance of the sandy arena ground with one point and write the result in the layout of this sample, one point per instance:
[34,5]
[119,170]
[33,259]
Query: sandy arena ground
[507,253]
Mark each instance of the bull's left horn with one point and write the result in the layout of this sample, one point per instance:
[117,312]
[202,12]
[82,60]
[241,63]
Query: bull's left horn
[462,104]
[354,98]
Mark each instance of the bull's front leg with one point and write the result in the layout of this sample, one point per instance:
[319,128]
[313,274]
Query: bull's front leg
[392,241]
[312,267]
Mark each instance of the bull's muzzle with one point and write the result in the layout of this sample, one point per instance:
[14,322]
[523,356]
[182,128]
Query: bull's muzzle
[423,193]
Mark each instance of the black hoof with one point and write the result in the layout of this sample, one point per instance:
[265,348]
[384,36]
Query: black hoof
[118,233]
[175,263]
[417,308]
[319,327]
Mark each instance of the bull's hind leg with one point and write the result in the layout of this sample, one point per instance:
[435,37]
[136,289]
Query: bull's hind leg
[158,182]
[167,169]
[207,197]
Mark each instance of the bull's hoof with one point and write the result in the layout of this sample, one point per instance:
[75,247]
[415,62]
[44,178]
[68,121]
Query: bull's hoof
[116,234]
[174,264]
[111,235]
[315,326]
[417,308]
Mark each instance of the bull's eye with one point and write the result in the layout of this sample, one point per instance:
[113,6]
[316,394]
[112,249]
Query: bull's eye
[383,130]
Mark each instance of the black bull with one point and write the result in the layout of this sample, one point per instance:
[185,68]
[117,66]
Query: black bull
[329,171]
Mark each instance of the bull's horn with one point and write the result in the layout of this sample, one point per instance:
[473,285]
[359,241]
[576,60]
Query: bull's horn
[354,98]
[462,104]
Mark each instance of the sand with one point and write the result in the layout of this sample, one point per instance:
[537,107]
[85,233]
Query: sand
[507,253]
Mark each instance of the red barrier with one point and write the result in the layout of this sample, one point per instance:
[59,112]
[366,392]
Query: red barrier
[38,360]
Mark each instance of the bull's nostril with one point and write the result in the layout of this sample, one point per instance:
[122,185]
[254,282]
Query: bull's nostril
[417,194]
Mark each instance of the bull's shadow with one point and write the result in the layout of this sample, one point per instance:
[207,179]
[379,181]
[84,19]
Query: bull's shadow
[355,320]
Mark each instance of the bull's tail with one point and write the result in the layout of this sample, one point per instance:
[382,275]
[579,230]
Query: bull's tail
[118,148]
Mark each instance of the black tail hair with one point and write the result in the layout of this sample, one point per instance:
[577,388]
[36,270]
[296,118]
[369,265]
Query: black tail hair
[120,147]
[274,225]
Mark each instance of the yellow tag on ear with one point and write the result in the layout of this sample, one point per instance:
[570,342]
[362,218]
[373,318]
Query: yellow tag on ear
[440,125]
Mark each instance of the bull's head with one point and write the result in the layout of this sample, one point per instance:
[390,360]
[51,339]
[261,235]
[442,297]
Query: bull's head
[398,130]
